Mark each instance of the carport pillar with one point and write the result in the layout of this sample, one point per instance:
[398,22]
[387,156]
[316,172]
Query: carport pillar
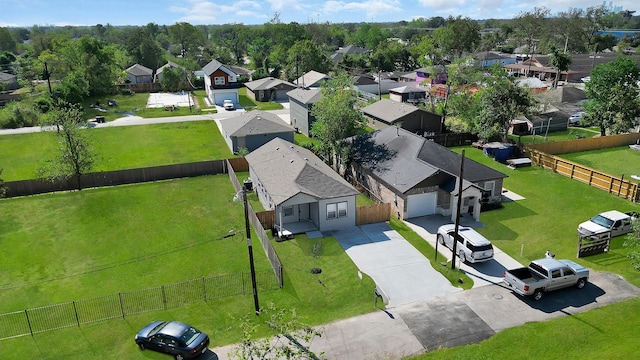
[458,206]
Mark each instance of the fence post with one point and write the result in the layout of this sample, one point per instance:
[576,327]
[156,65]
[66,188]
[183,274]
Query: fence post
[26,313]
[204,289]
[620,187]
[75,311]
[121,304]
[164,297]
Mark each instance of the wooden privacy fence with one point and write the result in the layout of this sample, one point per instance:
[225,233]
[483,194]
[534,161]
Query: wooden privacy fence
[81,312]
[601,180]
[578,145]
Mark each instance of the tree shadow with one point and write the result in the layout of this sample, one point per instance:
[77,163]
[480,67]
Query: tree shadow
[369,154]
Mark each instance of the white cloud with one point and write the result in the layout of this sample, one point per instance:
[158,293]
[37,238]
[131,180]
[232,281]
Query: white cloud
[204,12]
[372,8]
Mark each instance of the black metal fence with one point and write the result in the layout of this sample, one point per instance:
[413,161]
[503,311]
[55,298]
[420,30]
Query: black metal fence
[77,313]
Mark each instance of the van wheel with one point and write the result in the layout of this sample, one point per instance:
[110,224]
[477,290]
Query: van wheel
[537,295]
[141,346]
[440,239]
[463,259]
[581,283]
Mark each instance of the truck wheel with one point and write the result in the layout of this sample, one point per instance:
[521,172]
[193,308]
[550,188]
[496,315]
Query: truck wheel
[463,259]
[440,239]
[537,295]
[581,283]
[141,346]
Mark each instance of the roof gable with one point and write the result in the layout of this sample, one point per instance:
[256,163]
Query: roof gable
[268,83]
[285,170]
[306,96]
[389,110]
[214,65]
[139,70]
[254,123]
[311,78]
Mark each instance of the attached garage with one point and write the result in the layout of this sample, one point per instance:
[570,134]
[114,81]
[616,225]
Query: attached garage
[421,204]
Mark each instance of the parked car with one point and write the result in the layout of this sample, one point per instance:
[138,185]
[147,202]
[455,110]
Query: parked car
[575,118]
[546,275]
[173,337]
[228,105]
[472,247]
[586,79]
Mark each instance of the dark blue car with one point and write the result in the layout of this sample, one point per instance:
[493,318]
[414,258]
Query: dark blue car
[173,337]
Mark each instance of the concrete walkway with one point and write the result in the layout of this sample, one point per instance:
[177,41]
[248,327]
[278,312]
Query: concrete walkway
[401,273]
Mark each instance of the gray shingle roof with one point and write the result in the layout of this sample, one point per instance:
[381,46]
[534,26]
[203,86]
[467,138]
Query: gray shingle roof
[254,123]
[214,65]
[267,83]
[403,160]
[409,89]
[389,110]
[305,96]
[311,78]
[287,170]
[139,70]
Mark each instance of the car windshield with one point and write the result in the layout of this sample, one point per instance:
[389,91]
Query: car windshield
[189,336]
[602,221]
[156,329]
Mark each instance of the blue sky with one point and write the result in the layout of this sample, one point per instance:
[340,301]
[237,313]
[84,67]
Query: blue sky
[167,12]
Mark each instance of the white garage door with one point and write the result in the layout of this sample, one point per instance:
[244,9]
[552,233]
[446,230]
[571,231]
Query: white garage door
[421,204]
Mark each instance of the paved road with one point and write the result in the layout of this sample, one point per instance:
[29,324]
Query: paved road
[455,319]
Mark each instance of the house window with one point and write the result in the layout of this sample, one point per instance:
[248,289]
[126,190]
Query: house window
[287,211]
[489,188]
[342,209]
[219,80]
[337,210]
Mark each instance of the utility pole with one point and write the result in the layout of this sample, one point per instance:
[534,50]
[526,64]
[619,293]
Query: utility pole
[457,223]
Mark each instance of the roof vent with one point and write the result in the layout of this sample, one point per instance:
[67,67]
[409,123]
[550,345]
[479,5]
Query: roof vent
[291,161]
[306,159]
[278,148]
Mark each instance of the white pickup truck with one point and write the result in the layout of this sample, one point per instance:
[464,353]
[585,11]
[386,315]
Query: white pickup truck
[546,275]
[607,225]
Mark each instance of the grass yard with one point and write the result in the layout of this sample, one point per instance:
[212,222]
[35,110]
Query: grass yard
[547,219]
[250,104]
[571,133]
[614,161]
[593,335]
[103,241]
[120,147]
[132,105]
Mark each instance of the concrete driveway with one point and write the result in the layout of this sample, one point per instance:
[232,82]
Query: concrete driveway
[486,273]
[401,273]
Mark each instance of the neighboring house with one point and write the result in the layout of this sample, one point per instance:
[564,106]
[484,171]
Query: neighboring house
[535,85]
[269,89]
[408,93]
[311,79]
[253,129]
[418,177]
[168,65]
[370,84]
[409,117]
[488,58]
[305,193]
[8,81]
[339,54]
[139,74]
[540,124]
[300,103]
[220,83]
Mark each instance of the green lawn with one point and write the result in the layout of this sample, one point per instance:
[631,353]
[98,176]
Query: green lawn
[250,104]
[123,147]
[614,161]
[67,246]
[549,216]
[133,105]
[571,133]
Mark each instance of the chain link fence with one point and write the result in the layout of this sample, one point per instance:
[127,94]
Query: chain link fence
[76,313]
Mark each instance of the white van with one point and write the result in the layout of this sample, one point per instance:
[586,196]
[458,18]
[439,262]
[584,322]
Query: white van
[472,247]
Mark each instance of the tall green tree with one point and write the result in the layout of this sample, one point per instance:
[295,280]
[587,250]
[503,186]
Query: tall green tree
[500,102]
[187,36]
[633,242]
[74,156]
[458,36]
[143,47]
[305,56]
[530,27]
[613,91]
[336,116]
[561,61]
